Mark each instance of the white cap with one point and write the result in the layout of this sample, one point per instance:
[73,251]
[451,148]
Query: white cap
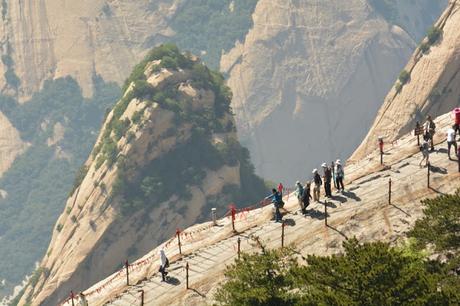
[315,170]
[338,161]
[324,165]
[297,182]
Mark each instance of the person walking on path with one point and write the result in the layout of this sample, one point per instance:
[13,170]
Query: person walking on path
[306,196]
[451,141]
[327,180]
[425,153]
[339,175]
[334,180]
[280,189]
[429,129]
[164,263]
[83,300]
[299,193]
[318,182]
[277,201]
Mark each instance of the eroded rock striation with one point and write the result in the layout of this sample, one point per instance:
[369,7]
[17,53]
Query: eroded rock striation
[310,76]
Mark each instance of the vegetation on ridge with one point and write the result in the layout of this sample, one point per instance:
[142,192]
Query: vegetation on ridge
[365,274]
[208,27]
[174,174]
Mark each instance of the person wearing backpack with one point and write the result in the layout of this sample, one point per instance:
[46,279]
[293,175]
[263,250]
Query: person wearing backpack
[277,201]
[299,193]
[164,263]
[318,182]
[339,175]
[425,153]
[430,130]
[306,196]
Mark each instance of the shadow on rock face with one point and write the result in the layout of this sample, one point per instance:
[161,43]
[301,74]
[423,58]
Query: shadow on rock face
[316,214]
[172,281]
[289,222]
[339,198]
[439,170]
[352,196]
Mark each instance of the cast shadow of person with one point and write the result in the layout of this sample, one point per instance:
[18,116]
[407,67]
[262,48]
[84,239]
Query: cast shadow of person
[352,195]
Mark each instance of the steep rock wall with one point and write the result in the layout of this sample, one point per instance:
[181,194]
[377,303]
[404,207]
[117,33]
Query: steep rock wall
[433,87]
[309,79]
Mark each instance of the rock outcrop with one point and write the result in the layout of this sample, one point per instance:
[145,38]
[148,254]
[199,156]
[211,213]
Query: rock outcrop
[309,78]
[166,154]
[78,38]
[362,212]
[432,88]
[11,144]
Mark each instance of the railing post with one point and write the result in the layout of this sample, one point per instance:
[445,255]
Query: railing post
[72,295]
[282,234]
[127,272]
[239,247]
[325,212]
[428,174]
[142,297]
[389,191]
[233,211]
[178,241]
[186,275]
[417,128]
[381,149]
[214,216]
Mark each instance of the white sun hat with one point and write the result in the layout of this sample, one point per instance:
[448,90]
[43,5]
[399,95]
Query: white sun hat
[324,165]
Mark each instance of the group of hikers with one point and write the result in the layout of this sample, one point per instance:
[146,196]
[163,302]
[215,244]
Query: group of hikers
[429,130]
[334,174]
[331,174]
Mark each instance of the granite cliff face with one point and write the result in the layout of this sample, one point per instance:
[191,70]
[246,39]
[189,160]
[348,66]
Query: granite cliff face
[77,38]
[432,88]
[11,144]
[310,77]
[165,152]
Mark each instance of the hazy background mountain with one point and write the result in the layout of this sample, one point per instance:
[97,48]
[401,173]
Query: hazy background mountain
[311,75]
[63,64]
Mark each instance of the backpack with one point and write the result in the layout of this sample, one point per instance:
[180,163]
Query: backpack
[167,263]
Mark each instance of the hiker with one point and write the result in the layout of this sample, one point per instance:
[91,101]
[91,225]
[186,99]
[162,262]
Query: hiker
[299,193]
[306,196]
[339,175]
[458,158]
[334,180]
[164,263]
[83,300]
[318,182]
[425,153]
[429,130]
[277,201]
[280,189]
[327,180]
[451,140]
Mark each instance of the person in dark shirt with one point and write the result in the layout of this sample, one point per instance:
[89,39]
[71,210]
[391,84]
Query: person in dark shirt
[277,201]
[318,182]
[327,180]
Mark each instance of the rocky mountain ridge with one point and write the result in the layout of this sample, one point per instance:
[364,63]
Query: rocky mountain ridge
[363,211]
[165,152]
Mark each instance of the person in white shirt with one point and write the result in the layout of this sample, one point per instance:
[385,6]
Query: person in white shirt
[451,140]
[164,263]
